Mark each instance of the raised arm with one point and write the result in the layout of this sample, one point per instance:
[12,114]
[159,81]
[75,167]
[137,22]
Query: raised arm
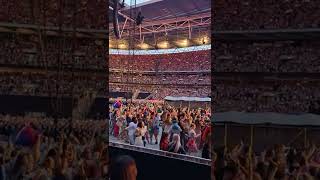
[36,149]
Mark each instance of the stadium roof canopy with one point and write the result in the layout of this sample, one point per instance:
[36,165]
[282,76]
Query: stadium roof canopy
[166,24]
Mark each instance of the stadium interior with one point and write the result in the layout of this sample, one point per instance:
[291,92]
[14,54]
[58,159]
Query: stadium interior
[84,82]
[159,80]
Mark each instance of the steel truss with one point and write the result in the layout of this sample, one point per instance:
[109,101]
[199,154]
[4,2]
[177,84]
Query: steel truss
[163,26]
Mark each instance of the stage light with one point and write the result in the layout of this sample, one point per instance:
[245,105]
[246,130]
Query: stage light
[202,40]
[163,45]
[122,46]
[111,43]
[143,46]
[205,40]
[183,43]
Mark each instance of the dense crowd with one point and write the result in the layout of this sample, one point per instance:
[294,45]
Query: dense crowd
[36,147]
[158,84]
[275,163]
[25,50]
[160,91]
[269,93]
[84,14]
[275,56]
[177,78]
[259,15]
[186,61]
[274,96]
[180,130]
[42,84]
[283,96]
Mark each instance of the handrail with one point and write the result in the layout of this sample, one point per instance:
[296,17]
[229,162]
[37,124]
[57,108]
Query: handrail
[182,157]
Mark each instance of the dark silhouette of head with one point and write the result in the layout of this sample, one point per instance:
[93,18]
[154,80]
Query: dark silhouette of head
[123,168]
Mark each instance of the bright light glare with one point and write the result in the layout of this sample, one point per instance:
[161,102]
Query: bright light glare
[143,46]
[122,46]
[203,40]
[163,45]
[183,43]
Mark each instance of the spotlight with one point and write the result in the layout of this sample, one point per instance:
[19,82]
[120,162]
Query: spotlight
[183,43]
[144,46]
[122,46]
[163,45]
[203,40]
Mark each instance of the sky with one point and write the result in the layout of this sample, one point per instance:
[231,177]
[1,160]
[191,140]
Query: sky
[137,1]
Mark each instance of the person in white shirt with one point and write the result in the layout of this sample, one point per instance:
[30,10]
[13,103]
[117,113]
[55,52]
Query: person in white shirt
[140,132]
[131,130]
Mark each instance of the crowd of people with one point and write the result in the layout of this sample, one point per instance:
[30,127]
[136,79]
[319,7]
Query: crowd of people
[276,95]
[267,93]
[159,92]
[177,78]
[42,84]
[275,56]
[84,14]
[39,147]
[257,15]
[179,130]
[282,96]
[25,50]
[186,61]
[276,162]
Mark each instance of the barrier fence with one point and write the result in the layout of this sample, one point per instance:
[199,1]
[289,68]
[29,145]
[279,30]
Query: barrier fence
[155,164]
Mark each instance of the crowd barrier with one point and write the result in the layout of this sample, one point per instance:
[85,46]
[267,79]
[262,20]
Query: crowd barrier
[182,157]
[155,164]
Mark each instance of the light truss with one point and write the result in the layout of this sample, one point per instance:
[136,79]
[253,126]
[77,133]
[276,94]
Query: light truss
[163,26]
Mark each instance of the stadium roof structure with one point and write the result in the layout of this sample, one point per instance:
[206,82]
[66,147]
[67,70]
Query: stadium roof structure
[166,24]
[159,51]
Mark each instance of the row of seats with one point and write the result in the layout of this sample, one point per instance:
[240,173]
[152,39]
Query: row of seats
[82,14]
[261,15]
